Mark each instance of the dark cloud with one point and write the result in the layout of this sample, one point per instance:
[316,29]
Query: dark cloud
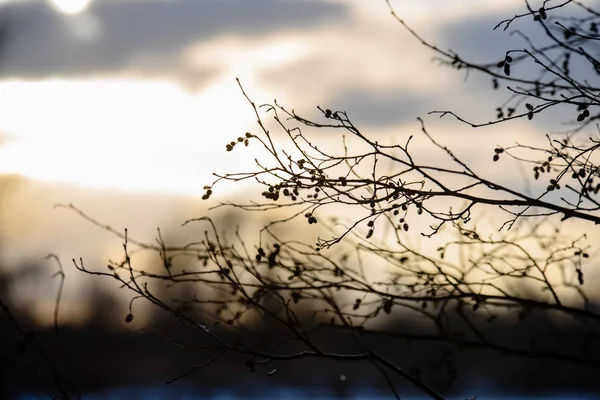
[475,40]
[367,106]
[146,37]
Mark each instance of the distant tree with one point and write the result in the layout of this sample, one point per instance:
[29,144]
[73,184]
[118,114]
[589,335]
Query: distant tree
[517,288]
[43,358]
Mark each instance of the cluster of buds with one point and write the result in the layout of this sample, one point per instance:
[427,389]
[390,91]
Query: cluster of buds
[498,151]
[529,111]
[207,194]
[272,193]
[241,139]
[331,114]
[584,112]
[292,194]
[540,169]
[506,64]
[541,15]
[403,224]
[509,112]
[554,185]
[260,254]
[311,218]
[578,174]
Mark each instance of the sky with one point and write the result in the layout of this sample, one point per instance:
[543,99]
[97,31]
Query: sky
[91,90]
[124,107]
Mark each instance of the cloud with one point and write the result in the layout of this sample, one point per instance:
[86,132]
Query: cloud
[381,107]
[475,40]
[143,37]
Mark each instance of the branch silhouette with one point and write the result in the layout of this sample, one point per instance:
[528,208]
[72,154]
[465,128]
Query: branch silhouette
[369,201]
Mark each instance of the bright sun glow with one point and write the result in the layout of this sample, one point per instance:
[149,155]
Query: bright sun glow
[70,6]
[137,135]
[158,136]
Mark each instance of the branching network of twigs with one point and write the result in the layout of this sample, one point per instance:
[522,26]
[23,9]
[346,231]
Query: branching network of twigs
[364,269]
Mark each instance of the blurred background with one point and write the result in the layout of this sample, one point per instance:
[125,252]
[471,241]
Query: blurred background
[124,108]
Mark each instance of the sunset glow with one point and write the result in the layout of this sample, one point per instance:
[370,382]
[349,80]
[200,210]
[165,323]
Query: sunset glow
[150,136]
[71,6]
[137,133]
